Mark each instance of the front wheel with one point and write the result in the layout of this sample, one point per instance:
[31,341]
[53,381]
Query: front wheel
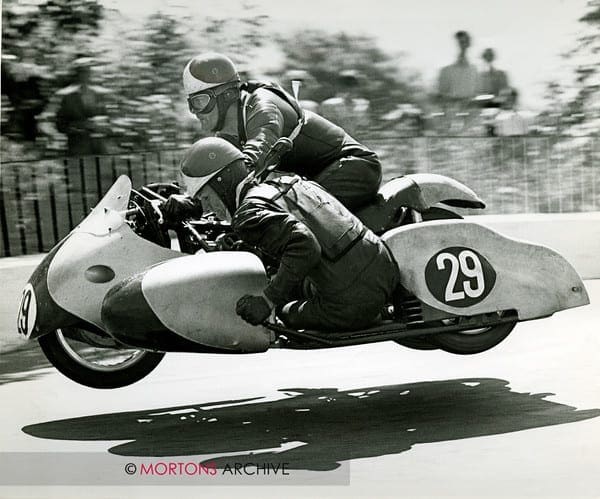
[474,340]
[102,367]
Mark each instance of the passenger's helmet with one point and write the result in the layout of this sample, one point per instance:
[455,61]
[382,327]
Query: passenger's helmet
[204,160]
[207,71]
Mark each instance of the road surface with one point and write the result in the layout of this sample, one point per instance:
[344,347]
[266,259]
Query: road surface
[379,421]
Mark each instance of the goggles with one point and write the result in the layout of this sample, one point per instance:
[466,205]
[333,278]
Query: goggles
[202,103]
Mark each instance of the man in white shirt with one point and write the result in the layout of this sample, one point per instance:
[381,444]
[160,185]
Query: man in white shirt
[458,82]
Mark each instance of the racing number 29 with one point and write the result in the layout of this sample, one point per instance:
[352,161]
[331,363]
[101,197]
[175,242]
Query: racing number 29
[469,264]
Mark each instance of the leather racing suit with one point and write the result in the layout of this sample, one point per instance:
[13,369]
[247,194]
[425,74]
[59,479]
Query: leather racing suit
[322,151]
[316,241]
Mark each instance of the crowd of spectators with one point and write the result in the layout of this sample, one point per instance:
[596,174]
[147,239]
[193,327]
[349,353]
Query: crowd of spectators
[467,100]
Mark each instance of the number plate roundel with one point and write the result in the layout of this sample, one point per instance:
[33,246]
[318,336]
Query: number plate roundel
[27,312]
[459,277]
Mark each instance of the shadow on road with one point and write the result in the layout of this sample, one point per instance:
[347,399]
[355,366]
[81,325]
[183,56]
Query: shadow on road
[326,425]
[22,363]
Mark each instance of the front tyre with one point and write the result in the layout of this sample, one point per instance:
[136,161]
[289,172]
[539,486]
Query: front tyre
[97,367]
[474,340]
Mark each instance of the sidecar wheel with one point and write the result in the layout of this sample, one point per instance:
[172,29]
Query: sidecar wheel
[97,367]
[474,340]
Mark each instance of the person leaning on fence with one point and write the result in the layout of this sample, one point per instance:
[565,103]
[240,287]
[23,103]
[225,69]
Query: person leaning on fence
[80,110]
[509,120]
[492,81]
[457,87]
[254,115]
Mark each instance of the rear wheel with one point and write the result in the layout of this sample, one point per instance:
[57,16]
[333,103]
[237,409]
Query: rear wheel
[417,343]
[473,340]
[93,361]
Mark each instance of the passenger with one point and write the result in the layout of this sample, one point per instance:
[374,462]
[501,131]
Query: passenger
[315,241]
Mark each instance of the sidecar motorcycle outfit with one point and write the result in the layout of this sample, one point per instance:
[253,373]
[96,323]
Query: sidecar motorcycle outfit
[322,151]
[115,295]
[318,244]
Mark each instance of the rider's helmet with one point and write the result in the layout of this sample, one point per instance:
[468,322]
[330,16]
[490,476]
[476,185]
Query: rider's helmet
[213,162]
[210,80]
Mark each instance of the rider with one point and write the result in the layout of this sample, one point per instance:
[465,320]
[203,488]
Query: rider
[346,271]
[253,116]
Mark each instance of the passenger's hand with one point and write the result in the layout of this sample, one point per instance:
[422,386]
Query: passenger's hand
[180,206]
[253,309]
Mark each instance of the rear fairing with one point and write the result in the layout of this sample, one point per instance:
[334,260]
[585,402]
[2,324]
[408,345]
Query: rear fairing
[462,268]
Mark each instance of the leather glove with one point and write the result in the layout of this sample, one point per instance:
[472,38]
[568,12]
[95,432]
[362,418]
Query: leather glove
[180,206]
[253,309]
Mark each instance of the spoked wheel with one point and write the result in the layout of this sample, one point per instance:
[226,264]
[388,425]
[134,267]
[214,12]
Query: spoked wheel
[473,340]
[96,362]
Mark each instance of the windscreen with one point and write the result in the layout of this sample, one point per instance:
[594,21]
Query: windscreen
[108,215]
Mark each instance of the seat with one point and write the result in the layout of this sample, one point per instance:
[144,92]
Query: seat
[386,208]
[418,191]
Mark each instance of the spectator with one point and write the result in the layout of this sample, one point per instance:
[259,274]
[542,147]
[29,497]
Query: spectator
[347,109]
[22,84]
[81,112]
[509,121]
[457,82]
[491,81]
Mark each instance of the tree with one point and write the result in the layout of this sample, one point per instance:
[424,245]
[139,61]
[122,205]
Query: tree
[39,41]
[579,102]
[151,109]
[586,54]
[325,55]
[149,104]
[574,158]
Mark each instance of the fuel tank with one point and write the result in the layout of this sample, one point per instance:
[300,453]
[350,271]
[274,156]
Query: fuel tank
[193,297]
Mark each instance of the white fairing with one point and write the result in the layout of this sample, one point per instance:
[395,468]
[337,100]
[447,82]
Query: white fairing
[195,296]
[534,280]
[101,239]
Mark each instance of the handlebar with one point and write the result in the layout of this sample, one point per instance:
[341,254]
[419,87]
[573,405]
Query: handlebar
[193,233]
[130,211]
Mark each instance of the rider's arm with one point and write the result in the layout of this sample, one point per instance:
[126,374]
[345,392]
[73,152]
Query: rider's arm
[264,126]
[282,236]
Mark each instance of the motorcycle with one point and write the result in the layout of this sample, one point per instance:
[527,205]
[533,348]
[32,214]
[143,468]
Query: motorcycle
[123,288]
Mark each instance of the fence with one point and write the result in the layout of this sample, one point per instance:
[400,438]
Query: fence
[41,201]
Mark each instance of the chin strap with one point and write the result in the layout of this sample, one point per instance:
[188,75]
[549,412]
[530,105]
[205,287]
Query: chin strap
[225,99]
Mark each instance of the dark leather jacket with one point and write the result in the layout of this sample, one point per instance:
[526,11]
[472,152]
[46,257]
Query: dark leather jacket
[309,232]
[265,117]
